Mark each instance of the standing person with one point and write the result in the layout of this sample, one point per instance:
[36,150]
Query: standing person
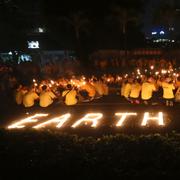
[168,94]
[30,97]
[135,91]
[70,96]
[147,90]
[46,97]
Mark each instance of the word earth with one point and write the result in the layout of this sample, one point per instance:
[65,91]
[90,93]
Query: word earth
[93,118]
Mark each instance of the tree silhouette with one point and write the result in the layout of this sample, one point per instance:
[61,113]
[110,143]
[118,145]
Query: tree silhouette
[123,17]
[79,23]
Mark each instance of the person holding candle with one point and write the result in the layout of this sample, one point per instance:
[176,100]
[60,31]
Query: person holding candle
[168,94]
[147,90]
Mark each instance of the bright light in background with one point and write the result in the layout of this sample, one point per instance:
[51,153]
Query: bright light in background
[158,118]
[21,124]
[163,71]
[92,117]
[40,30]
[161,32]
[151,67]
[171,28]
[24,58]
[33,44]
[154,32]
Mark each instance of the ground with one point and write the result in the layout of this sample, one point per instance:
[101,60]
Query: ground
[91,153]
[108,106]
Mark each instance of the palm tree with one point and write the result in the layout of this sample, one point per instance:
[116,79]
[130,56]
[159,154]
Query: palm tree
[123,16]
[79,24]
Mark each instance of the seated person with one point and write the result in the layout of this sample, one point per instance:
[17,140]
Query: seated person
[90,89]
[83,96]
[20,92]
[98,85]
[70,96]
[135,91]
[30,97]
[148,87]
[58,94]
[46,97]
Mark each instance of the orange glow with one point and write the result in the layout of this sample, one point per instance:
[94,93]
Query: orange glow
[60,120]
[159,118]
[123,117]
[92,117]
[21,124]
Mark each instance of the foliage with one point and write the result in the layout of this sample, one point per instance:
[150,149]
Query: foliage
[89,157]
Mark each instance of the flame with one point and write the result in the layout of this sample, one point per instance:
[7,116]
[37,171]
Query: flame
[92,117]
[31,119]
[35,84]
[163,71]
[52,82]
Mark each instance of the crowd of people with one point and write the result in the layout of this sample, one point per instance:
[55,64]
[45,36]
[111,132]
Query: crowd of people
[104,64]
[147,83]
[151,90]
[143,89]
[68,91]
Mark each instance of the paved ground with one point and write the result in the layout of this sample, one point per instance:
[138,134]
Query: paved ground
[108,106]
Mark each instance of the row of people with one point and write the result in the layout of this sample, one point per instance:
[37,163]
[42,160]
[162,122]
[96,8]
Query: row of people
[104,64]
[70,95]
[134,90]
[88,89]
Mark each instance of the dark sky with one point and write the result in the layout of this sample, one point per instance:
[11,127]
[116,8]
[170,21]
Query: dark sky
[147,19]
[97,11]
[99,8]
